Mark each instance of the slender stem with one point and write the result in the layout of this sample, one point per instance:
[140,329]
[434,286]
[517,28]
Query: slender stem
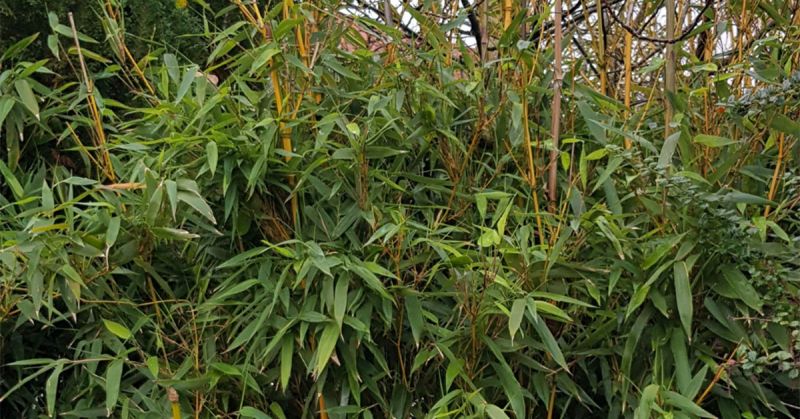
[628,75]
[555,109]
[669,69]
[773,185]
[531,167]
[173,401]
[323,412]
[551,404]
[720,369]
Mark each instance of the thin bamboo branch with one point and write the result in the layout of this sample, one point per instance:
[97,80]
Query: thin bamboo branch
[628,75]
[669,68]
[555,109]
[720,369]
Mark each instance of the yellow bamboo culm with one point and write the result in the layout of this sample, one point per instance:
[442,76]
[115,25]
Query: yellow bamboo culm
[173,401]
[125,52]
[773,185]
[730,362]
[628,45]
[551,404]
[298,31]
[107,168]
[506,14]
[531,166]
[256,19]
[323,413]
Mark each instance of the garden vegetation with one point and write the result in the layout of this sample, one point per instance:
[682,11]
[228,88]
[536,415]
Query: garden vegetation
[385,209]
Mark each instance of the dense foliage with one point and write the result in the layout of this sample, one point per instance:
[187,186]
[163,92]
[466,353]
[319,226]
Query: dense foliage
[310,222]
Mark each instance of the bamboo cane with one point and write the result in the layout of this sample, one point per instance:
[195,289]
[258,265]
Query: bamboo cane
[256,19]
[555,109]
[669,69]
[507,8]
[93,110]
[628,75]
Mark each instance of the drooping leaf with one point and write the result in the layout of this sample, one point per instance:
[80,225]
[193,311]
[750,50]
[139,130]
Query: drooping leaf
[683,296]
[113,378]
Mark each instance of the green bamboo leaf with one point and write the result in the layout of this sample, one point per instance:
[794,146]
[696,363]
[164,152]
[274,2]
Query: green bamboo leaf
[327,343]
[199,204]
[287,352]
[226,369]
[152,366]
[693,388]
[415,319]
[173,233]
[495,412]
[631,343]
[738,284]
[560,298]
[550,342]
[661,250]
[236,289]
[18,47]
[610,169]
[27,97]
[501,222]
[241,258]
[277,410]
[649,396]
[211,156]
[371,280]
[682,369]
[51,388]
[113,378]
[379,270]
[687,405]
[668,149]
[70,272]
[112,231]
[683,296]
[117,329]
[340,300]
[597,154]
[639,296]
[6,104]
[189,76]
[713,140]
[47,197]
[511,387]
[552,310]
[12,181]
[515,318]
[252,412]
[783,124]
[738,197]
[265,55]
